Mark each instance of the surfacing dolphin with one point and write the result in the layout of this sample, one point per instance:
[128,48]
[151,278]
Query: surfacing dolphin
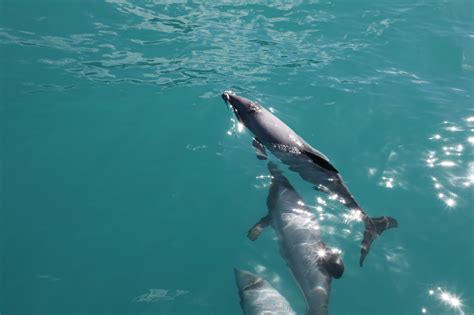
[258,297]
[311,262]
[313,166]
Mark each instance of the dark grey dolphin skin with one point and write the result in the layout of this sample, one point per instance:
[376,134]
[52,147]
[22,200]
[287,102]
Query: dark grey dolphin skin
[313,166]
[312,263]
[258,297]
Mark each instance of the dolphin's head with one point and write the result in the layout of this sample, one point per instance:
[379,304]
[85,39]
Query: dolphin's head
[244,109]
[246,280]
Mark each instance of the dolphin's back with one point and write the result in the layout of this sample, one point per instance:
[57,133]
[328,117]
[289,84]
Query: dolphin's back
[300,242]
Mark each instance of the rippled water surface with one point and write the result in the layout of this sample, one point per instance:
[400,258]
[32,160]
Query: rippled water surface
[128,188]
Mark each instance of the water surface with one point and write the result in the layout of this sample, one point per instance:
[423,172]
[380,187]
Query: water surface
[127,188]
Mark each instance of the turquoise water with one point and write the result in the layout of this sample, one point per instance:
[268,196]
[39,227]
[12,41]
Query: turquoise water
[127,188]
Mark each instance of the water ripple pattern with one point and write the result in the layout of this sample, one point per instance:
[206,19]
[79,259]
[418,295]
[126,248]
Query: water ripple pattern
[128,187]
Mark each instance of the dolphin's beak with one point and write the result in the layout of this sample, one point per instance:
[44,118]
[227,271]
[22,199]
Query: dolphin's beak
[244,279]
[226,97]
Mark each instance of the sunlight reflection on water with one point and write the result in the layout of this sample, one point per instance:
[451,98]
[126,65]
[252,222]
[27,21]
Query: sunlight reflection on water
[445,299]
[451,160]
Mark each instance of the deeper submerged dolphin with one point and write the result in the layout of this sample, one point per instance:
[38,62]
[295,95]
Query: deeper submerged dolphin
[313,166]
[258,297]
[311,262]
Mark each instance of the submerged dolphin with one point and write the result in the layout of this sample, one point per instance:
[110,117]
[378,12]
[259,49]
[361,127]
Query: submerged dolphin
[258,297]
[313,166]
[312,263]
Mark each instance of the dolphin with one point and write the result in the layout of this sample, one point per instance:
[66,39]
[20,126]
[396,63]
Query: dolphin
[313,166]
[312,263]
[258,297]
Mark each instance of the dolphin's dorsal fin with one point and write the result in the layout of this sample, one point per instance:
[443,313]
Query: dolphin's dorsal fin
[319,159]
[334,265]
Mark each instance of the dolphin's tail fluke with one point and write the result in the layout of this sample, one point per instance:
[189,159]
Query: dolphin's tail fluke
[373,228]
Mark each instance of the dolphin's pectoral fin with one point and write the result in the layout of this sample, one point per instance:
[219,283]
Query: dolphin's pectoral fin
[373,228]
[320,160]
[259,147]
[257,229]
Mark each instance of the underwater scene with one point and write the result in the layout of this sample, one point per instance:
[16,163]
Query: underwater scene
[236,157]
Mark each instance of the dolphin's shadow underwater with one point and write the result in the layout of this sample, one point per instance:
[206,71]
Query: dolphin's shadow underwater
[313,166]
[312,263]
